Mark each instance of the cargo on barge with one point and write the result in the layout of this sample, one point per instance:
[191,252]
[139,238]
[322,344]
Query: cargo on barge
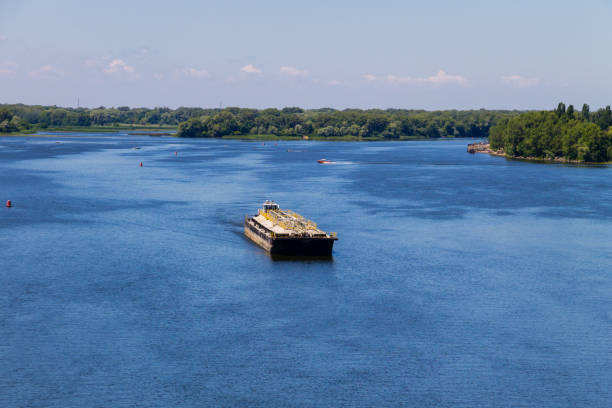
[285,232]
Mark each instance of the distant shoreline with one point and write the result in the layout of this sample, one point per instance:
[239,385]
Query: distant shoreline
[328,138]
[263,138]
[95,129]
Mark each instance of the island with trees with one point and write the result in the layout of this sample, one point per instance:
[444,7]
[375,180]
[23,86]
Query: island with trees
[348,124]
[562,135]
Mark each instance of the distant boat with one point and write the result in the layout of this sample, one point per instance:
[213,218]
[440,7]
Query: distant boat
[325,161]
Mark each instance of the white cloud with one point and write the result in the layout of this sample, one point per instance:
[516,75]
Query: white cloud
[8,69]
[333,82]
[292,71]
[45,72]
[117,65]
[393,79]
[250,69]
[3,37]
[159,77]
[196,73]
[95,62]
[441,78]
[520,81]
[140,52]
[369,77]
[7,72]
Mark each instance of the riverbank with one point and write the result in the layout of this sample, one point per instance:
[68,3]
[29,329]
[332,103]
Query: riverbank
[62,131]
[330,138]
[108,129]
[560,160]
[94,129]
[486,148]
[52,132]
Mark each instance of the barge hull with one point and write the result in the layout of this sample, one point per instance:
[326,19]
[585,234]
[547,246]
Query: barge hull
[303,246]
[290,246]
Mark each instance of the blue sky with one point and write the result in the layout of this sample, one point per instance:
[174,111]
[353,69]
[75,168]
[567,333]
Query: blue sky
[363,54]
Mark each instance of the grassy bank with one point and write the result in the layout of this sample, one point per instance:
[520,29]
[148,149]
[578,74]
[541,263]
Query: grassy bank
[107,129]
[171,129]
[94,129]
[323,138]
[28,132]
[556,160]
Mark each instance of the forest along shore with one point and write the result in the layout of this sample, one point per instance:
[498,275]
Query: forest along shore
[486,148]
[562,135]
[291,122]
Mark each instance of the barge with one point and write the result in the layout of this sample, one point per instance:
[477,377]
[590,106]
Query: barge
[284,232]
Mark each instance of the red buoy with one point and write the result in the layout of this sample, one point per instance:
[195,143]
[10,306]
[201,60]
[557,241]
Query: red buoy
[9,204]
[140,164]
[176,153]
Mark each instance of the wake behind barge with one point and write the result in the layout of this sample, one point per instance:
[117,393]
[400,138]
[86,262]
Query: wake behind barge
[284,232]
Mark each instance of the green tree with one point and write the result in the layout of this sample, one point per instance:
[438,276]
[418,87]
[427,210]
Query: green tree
[5,114]
[192,128]
[585,112]
[560,109]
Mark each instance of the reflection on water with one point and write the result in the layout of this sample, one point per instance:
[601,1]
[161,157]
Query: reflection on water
[289,258]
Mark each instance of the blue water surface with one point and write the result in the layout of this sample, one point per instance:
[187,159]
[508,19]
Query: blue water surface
[458,280]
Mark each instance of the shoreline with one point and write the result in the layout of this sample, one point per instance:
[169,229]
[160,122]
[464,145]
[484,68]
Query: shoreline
[60,132]
[486,148]
[325,139]
[556,160]
[559,160]
[93,129]
[264,138]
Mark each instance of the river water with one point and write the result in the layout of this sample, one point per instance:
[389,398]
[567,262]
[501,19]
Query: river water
[458,280]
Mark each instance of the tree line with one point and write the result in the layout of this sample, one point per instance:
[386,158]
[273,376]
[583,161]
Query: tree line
[10,122]
[327,122]
[289,121]
[562,133]
[39,116]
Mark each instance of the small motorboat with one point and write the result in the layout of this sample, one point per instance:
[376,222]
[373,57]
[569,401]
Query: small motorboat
[325,161]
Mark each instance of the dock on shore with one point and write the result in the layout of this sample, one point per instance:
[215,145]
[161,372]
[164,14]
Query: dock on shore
[479,148]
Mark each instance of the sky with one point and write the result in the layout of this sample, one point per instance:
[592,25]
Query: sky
[342,54]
